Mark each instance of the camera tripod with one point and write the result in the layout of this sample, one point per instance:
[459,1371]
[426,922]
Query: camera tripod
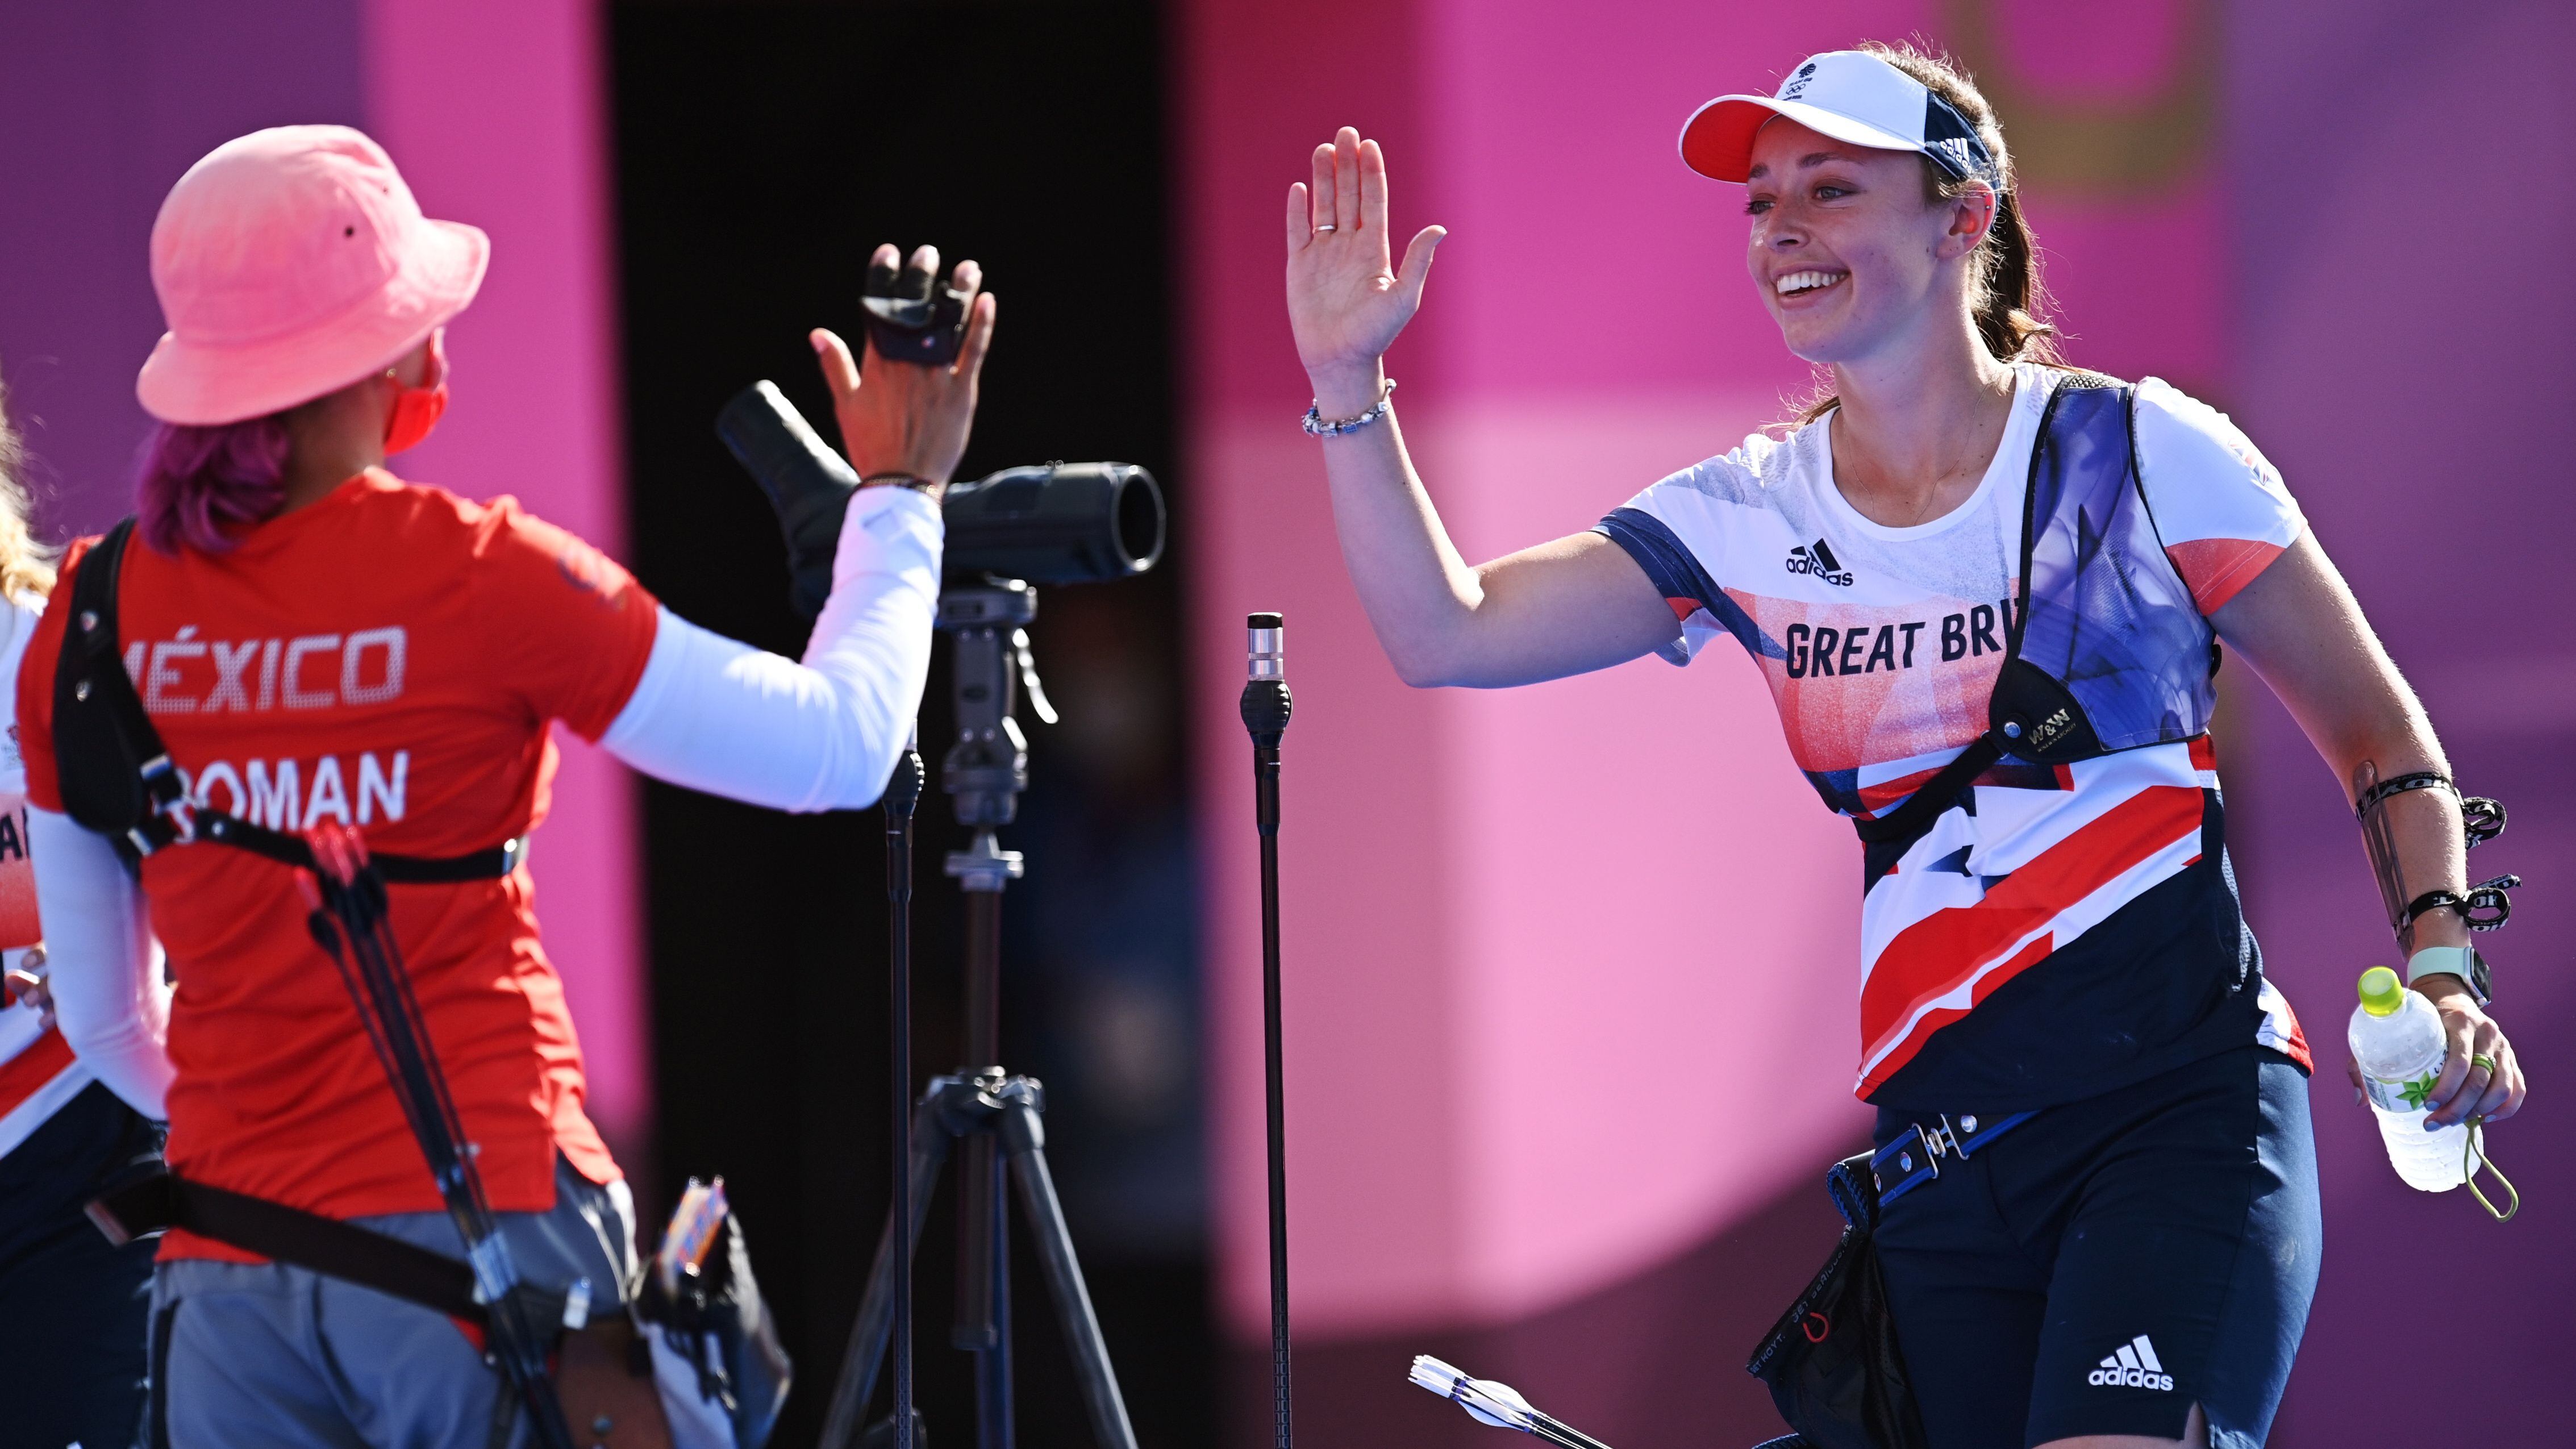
[992,1116]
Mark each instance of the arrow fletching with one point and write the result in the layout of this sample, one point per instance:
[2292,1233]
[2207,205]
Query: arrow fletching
[1498,1404]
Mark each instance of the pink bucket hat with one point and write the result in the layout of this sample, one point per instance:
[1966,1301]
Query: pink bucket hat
[290,263]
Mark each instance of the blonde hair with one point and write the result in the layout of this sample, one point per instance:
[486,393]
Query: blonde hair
[26,566]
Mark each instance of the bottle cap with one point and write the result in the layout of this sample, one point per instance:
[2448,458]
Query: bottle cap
[2381,992]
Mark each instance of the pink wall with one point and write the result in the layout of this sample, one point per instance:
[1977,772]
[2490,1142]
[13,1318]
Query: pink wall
[495,111]
[2425,426]
[1570,968]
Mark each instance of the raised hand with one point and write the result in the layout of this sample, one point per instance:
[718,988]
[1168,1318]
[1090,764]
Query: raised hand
[904,417]
[1344,304]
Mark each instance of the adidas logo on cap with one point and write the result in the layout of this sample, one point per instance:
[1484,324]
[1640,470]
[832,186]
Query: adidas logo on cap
[2133,1367]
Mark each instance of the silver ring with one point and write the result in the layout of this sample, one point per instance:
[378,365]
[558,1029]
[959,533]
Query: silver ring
[1327,226]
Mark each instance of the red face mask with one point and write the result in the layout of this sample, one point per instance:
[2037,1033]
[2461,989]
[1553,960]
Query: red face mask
[417,409]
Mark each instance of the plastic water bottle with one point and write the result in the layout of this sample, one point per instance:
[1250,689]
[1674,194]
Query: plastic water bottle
[2397,1039]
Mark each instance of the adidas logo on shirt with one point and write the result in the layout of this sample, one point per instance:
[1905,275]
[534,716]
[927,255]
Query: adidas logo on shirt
[2133,1367]
[1815,558]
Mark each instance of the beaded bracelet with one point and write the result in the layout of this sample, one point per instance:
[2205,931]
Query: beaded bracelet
[1319,426]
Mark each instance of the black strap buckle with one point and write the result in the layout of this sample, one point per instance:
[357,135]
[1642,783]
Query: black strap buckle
[171,816]
[2481,819]
[2486,896]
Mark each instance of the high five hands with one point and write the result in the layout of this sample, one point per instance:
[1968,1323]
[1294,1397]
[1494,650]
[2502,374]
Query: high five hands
[902,417]
[1344,304]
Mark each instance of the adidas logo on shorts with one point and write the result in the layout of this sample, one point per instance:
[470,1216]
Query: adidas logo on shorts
[2133,1367]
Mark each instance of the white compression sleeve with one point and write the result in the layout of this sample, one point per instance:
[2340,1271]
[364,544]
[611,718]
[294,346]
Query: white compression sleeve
[100,961]
[720,716]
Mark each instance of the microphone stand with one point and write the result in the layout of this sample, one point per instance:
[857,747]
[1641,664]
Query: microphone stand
[1265,714]
[902,794]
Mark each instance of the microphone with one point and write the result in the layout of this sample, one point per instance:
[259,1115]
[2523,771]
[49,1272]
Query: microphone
[1265,696]
[1265,715]
[1268,640]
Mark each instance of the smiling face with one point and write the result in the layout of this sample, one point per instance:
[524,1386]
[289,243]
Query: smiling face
[1845,251]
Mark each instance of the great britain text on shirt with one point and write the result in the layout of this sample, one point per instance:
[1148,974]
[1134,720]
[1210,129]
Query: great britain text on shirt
[1860,650]
[2001,952]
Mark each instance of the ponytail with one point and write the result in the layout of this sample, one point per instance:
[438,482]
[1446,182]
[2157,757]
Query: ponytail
[2008,294]
[2005,296]
[195,486]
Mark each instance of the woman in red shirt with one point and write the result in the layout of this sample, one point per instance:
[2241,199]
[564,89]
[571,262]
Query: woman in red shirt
[319,642]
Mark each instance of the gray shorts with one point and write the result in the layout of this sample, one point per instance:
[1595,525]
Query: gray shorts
[266,1354]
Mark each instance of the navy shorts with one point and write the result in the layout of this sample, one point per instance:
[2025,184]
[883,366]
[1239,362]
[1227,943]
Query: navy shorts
[2109,1263]
[71,1306]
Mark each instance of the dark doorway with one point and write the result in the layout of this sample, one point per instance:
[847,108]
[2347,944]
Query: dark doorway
[763,150]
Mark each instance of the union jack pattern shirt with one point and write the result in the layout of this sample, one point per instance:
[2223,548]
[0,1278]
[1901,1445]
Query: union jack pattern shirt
[2057,932]
[38,1073]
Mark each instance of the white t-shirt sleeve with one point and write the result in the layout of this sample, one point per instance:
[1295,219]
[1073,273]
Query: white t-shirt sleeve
[720,716]
[111,997]
[1677,531]
[2219,504]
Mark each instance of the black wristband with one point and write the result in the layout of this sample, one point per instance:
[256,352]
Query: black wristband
[909,480]
[2401,784]
[2484,896]
[2481,819]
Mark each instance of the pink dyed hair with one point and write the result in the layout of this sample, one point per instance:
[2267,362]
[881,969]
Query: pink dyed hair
[198,486]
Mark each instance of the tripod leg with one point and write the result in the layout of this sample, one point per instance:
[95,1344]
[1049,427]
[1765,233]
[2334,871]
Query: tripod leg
[995,1421]
[1025,1139]
[931,1137]
[976,1192]
[974,1329]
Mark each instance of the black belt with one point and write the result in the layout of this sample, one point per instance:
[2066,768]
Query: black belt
[153,1201]
[164,828]
[1914,1157]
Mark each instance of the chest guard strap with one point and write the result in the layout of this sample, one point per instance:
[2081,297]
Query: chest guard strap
[2106,651]
[116,777]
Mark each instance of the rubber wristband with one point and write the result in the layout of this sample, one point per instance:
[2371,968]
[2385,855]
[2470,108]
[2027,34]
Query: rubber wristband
[908,480]
[2460,961]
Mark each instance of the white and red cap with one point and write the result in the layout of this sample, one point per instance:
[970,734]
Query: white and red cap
[1851,96]
[290,263]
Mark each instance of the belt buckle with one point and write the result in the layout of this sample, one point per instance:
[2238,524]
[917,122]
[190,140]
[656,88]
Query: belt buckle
[1937,1142]
[1901,1152]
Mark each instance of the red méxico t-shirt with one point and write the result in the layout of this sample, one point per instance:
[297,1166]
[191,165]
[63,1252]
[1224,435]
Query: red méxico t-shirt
[389,657]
